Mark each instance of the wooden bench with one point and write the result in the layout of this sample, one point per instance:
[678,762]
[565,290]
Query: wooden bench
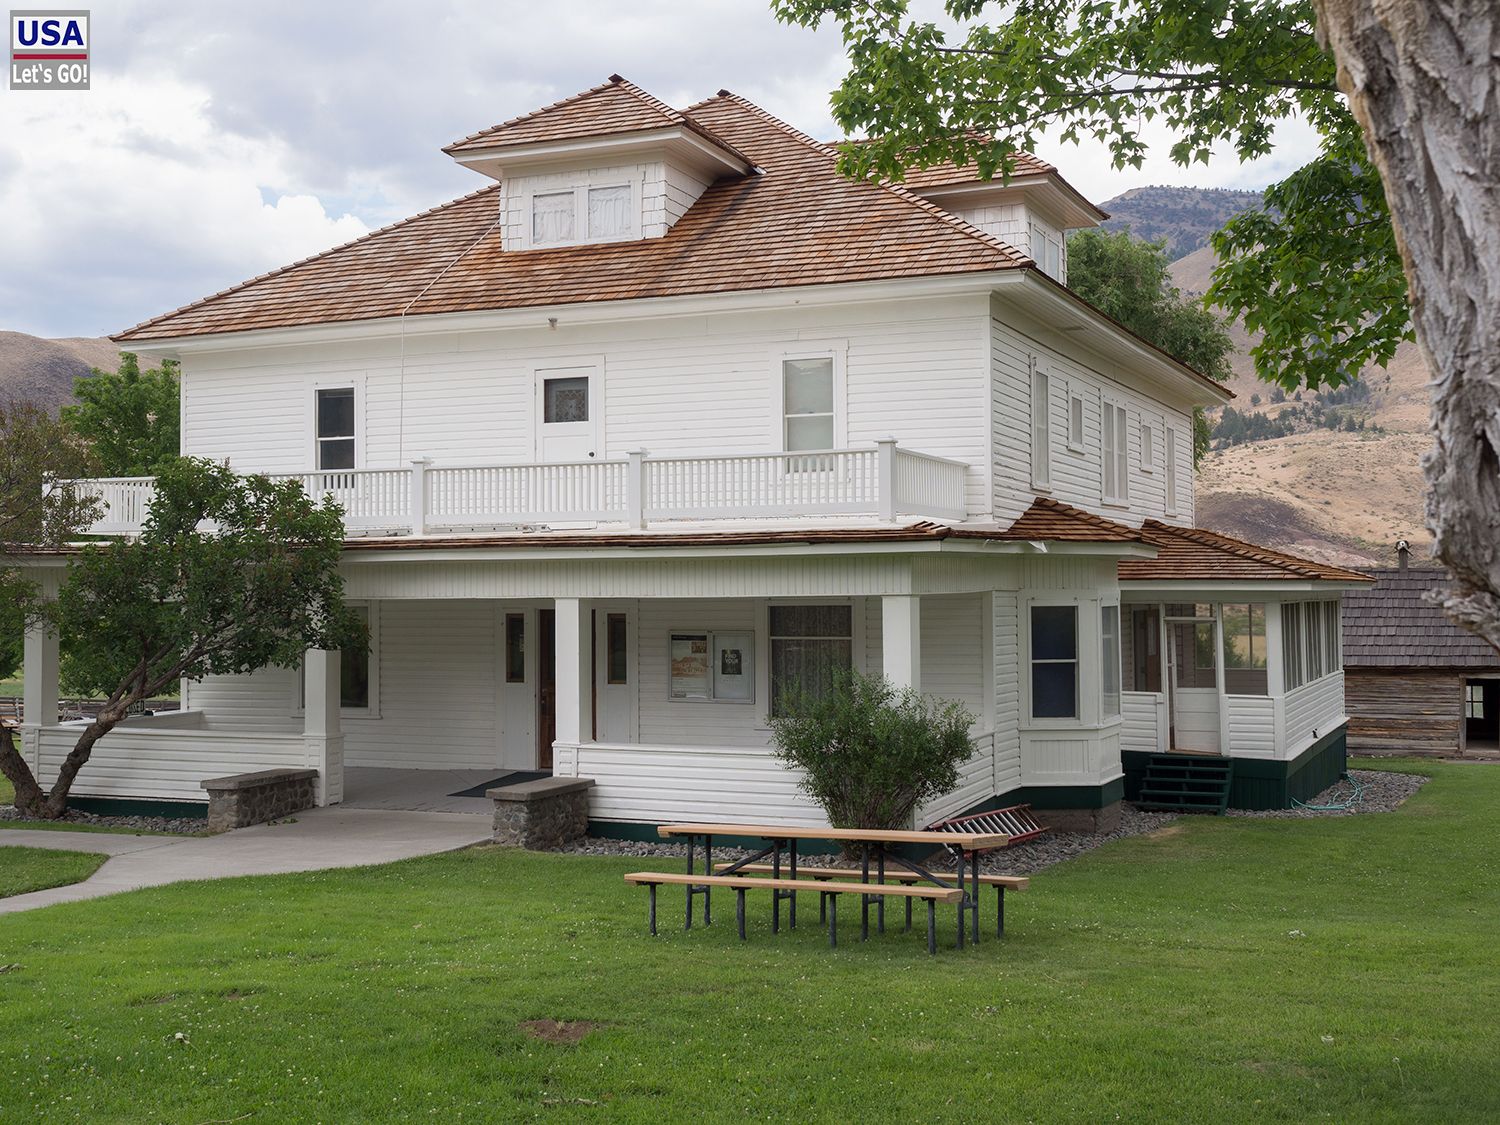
[828,892]
[1001,883]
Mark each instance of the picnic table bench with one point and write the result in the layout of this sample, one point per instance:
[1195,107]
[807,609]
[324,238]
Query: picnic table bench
[875,845]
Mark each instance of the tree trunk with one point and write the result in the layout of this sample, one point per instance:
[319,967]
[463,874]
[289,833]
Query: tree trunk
[29,797]
[1422,80]
[57,798]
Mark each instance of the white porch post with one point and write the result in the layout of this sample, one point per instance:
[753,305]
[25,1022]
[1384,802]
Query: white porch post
[418,499]
[321,732]
[39,690]
[901,639]
[574,698]
[885,466]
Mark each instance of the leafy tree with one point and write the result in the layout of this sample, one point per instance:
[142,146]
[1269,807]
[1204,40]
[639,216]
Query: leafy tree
[130,416]
[1393,227]
[1130,280]
[36,513]
[180,601]
[871,754]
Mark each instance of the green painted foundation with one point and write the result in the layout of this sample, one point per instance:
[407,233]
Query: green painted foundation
[139,806]
[1258,783]
[634,830]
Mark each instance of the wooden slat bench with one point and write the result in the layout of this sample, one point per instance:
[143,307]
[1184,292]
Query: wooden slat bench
[1001,883]
[828,892]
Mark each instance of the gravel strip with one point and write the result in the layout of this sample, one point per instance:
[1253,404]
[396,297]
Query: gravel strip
[1382,791]
[175,825]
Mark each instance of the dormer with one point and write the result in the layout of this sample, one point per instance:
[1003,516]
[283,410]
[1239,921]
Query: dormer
[612,164]
[1032,211]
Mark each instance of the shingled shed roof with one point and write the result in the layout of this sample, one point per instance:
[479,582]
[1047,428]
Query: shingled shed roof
[1390,624]
[1049,520]
[1193,554]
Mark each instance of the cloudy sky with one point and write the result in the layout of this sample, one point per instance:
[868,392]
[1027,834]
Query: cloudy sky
[224,139]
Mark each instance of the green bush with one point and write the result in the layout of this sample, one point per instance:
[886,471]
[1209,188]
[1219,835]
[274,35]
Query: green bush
[870,753]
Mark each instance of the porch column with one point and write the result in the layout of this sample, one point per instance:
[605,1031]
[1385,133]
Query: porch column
[39,690]
[901,639]
[574,698]
[322,735]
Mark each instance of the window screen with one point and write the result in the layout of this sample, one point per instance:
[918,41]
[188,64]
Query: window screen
[1054,662]
[807,390]
[335,422]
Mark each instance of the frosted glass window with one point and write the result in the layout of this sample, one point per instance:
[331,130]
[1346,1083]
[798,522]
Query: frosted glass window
[609,212]
[552,218]
[807,392]
[567,400]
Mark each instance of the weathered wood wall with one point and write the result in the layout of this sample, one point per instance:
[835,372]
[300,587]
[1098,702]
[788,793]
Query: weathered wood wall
[1406,711]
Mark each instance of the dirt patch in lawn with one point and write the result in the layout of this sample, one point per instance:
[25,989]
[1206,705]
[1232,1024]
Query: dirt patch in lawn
[555,1031]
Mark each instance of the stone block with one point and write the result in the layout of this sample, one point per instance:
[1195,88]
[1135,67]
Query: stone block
[255,798]
[546,813]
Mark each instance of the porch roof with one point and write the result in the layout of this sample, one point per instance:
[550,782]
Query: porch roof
[1194,554]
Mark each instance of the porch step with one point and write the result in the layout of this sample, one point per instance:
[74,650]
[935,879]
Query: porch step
[1181,783]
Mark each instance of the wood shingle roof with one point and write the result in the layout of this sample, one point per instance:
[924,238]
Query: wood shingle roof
[1193,554]
[1390,624]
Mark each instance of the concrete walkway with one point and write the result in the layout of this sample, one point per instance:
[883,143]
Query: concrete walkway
[317,839]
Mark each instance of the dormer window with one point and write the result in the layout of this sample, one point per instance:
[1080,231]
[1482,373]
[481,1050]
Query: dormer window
[604,213]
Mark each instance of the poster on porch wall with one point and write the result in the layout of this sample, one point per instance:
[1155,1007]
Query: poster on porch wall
[734,666]
[690,670]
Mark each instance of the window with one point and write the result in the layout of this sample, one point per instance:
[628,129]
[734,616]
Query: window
[515,648]
[810,646]
[1046,250]
[807,403]
[1244,648]
[335,427]
[1109,662]
[354,668]
[1310,642]
[1054,662]
[608,214]
[1075,421]
[1148,448]
[616,649]
[1291,645]
[1116,468]
[566,399]
[1473,701]
[711,666]
[1171,487]
[1041,428]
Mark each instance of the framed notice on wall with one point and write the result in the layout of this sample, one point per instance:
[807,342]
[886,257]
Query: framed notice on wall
[734,666]
[691,677]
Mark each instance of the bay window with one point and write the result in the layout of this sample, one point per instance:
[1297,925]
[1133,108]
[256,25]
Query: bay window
[1109,660]
[1054,662]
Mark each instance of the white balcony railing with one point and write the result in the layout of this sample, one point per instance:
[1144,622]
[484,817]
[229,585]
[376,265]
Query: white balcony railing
[882,481]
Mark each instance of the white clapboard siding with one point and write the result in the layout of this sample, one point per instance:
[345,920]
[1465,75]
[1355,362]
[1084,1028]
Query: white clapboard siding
[165,763]
[682,722]
[952,664]
[1316,706]
[1141,732]
[658,784]
[976,783]
[676,387]
[1252,726]
[1076,476]
[1007,736]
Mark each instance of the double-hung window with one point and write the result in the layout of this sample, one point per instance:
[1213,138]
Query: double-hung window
[808,398]
[1041,429]
[583,214]
[1116,455]
[1075,421]
[1148,447]
[810,646]
[1171,470]
[335,427]
[1054,662]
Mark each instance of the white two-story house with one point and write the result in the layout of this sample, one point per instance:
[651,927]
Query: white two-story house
[667,415]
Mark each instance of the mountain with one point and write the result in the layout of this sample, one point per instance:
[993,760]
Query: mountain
[1339,495]
[42,371]
[1184,216]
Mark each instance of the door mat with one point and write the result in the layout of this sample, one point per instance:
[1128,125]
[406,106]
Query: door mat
[515,777]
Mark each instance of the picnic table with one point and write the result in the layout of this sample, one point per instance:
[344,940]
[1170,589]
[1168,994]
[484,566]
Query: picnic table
[878,848]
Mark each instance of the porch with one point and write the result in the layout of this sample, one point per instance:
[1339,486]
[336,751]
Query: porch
[880,482]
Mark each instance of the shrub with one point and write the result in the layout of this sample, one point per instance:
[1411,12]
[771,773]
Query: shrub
[871,753]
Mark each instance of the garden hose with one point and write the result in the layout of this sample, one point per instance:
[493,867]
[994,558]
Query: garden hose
[1336,806]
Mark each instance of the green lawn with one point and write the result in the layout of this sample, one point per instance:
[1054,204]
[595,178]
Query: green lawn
[7,792]
[36,869]
[1339,969]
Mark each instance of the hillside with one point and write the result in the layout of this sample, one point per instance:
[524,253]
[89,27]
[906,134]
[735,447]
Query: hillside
[42,371]
[1184,216]
[1340,496]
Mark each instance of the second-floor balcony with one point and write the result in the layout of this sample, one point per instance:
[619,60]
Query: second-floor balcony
[881,482]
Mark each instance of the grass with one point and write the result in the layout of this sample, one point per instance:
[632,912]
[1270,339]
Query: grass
[1222,969]
[23,870]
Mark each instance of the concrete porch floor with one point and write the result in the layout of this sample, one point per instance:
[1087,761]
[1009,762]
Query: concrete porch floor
[369,787]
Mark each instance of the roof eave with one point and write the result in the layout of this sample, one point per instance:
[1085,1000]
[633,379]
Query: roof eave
[689,142]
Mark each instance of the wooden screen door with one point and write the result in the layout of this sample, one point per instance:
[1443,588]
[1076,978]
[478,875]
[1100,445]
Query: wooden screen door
[546,693]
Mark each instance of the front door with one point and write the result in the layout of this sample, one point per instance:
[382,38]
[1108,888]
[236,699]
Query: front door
[546,692]
[1193,684]
[568,413]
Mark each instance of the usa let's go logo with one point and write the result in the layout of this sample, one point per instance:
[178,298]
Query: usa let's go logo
[49,50]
